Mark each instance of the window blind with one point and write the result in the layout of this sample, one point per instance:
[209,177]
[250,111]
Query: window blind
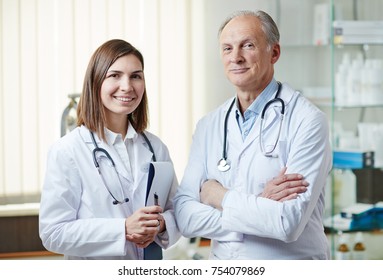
[45,46]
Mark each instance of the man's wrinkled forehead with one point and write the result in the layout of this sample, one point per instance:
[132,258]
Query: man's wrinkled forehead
[241,26]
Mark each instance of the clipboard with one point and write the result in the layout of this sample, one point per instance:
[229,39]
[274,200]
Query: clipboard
[160,181]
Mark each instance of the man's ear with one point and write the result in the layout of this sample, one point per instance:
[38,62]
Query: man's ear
[276,53]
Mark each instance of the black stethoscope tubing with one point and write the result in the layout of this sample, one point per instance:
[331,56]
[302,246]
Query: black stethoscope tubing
[97,149]
[222,163]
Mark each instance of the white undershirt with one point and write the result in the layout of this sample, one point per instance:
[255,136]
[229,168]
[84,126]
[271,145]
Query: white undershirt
[124,147]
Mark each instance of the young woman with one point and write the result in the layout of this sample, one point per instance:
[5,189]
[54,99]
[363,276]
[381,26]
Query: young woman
[94,194]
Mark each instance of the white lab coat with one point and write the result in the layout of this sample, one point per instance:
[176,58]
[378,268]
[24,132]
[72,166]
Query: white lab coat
[77,216]
[252,227]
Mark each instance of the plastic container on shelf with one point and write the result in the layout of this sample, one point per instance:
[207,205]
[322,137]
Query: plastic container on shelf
[344,189]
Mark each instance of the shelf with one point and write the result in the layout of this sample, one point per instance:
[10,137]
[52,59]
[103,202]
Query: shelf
[303,46]
[358,32]
[352,31]
[340,43]
[16,210]
[341,107]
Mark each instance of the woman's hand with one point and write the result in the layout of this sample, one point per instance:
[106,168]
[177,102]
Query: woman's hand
[142,227]
[285,186]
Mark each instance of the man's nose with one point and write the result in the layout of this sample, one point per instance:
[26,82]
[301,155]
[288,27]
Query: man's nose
[236,56]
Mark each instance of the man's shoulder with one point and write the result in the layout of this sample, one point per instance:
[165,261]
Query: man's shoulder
[295,98]
[220,110]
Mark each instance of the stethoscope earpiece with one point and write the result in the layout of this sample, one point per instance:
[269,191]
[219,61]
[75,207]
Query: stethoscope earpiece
[115,202]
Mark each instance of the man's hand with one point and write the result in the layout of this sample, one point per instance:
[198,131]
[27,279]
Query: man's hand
[281,188]
[212,193]
[285,186]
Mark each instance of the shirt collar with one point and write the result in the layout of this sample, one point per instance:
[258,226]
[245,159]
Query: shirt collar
[112,137]
[131,133]
[259,103]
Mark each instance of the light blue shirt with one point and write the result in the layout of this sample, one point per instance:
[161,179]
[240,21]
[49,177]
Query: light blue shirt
[246,122]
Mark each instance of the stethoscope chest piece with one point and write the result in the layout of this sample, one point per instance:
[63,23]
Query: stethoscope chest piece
[223,165]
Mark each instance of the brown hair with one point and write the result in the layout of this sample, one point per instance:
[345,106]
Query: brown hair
[90,110]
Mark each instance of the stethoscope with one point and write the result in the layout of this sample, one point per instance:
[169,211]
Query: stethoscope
[223,164]
[97,149]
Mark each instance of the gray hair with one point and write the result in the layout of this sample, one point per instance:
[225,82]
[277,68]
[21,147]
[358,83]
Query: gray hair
[269,27]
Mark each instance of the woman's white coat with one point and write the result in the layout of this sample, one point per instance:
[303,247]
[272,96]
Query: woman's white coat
[77,216]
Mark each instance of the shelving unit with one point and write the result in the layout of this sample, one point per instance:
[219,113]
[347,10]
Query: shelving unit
[350,112]
[311,68]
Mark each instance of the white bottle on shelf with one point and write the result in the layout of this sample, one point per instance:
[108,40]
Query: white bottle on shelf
[341,80]
[354,82]
[343,250]
[359,249]
[345,189]
[376,81]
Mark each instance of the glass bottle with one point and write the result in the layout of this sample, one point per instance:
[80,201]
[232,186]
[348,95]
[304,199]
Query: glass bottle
[359,250]
[343,251]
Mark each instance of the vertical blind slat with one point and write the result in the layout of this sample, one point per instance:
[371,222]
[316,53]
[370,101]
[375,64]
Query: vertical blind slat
[2,147]
[11,97]
[29,97]
[48,107]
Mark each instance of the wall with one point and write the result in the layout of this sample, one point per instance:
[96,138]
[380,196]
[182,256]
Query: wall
[45,46]
[44,50]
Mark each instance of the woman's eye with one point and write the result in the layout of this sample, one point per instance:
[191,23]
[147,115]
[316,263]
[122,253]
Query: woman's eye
[113,75]
[136,76]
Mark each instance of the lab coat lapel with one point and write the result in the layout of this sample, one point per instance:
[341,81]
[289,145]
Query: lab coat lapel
[142,153]
[271,117]
[234,136]
[143,157]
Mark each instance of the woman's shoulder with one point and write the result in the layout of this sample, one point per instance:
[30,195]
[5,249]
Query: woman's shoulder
[69,141]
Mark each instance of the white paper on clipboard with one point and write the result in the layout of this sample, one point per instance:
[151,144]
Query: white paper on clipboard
[160,180]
